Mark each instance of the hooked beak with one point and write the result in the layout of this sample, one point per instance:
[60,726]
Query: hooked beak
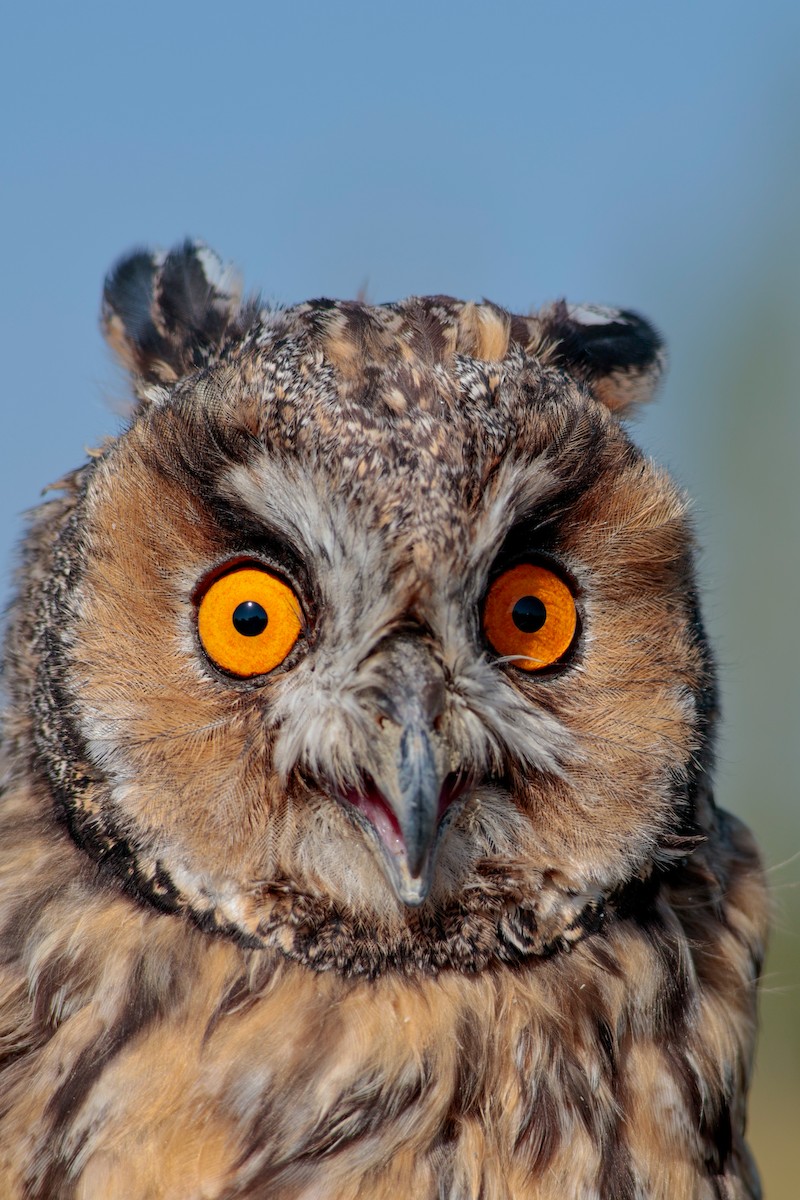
[417,804]
[410,787]
[407,815]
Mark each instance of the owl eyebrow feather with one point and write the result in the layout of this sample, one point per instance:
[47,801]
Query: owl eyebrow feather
[546,490]
[251,534]
[537,529]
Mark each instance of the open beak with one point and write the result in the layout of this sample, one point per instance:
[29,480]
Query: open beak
[410,786]
[404,812]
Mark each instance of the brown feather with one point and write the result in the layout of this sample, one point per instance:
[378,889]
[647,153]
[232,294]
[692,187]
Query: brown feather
[209,984]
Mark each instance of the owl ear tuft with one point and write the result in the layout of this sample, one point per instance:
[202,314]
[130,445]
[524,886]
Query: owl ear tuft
[619,354]
[167,314]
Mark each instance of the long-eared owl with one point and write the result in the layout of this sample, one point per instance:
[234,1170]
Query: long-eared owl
[357,837]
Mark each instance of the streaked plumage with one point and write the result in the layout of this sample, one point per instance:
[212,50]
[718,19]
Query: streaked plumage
[400,917]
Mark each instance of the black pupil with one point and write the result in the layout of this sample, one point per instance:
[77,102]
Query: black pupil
[249,618]
[529,614]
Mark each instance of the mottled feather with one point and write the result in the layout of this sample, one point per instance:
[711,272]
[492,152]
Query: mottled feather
[212,984]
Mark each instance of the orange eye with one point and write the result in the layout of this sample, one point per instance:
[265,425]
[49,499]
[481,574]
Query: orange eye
[530,612]
[248,621]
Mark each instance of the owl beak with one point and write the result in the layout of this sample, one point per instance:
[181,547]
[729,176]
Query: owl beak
[409,786]
[415,803]
[403,805]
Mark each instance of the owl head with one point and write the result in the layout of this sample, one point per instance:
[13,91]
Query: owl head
[373,637]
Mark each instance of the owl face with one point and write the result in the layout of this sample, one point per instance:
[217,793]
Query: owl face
[377,637]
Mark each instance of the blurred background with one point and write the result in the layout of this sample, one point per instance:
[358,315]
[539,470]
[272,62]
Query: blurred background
[632,154]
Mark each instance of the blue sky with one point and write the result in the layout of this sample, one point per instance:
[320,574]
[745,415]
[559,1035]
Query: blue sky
[617,152]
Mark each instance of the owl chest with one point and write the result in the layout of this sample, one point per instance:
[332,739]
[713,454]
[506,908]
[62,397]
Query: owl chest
[464,1089]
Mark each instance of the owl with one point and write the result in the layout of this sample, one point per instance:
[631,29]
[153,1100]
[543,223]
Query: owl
[357,838]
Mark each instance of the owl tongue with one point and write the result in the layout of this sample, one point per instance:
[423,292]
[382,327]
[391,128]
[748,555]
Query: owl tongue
[372,804]
[370,801]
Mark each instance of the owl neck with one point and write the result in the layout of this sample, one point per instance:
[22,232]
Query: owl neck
[496,1071]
